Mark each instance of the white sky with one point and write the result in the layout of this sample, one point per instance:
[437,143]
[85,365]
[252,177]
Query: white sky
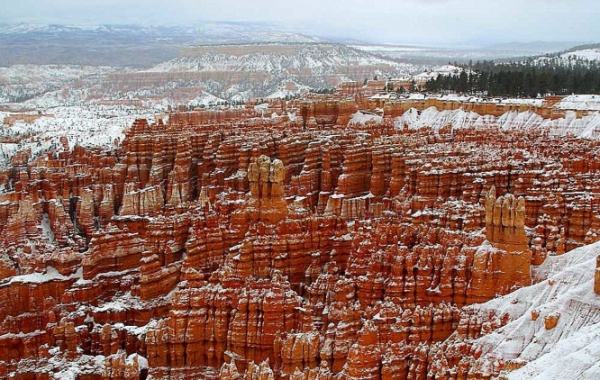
[400,21]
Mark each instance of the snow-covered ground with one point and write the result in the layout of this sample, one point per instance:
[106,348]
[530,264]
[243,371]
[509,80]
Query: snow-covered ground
[92,126]
[19,83]
[571,350]
[290,88]
[50,274]
[579,56]
[579,102]
[476,99]
[204,99]
[589,54]
[587,126]
[363,118]
[318,58]
[436,72]
[449,53]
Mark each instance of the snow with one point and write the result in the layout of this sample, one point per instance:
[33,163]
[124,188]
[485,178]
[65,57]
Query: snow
[589,54]
[416,96]
[435,119]
[279,94]
[22,335]
[205,99]
[47,229]
[390,95]
[570,350]
[49,85]
[88,126]
[575,57]
[318,58]
[475,99]
[382,48]
[459,98]
[142,361]
[586,127]
[363,118]
[441,70]
[67,369]
[579,102]
[531,102]
[51,274]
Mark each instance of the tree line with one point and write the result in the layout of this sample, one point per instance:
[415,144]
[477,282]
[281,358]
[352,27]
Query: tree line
[531,78]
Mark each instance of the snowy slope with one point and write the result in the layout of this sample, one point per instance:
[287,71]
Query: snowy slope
[208,31]
[584,55]
[138,45]
[364,118]
[260,70]
[93,126]
[579,102]
[204,99]
[571,350]
[439,54]
[444,70]
[588,54]
[23,82]
[587,126]
[320,59]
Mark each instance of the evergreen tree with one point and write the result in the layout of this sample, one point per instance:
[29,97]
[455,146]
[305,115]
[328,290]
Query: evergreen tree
[523,79]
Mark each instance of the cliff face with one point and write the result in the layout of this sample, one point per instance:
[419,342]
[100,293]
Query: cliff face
[266,248]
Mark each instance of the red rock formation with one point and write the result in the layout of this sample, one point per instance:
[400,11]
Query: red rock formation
[266,190]
[328,112]
[364,357]
[505,265]
[330,250]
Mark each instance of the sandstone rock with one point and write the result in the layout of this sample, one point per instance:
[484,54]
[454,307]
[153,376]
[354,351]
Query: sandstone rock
[550,321]
[224,239]
[266,189]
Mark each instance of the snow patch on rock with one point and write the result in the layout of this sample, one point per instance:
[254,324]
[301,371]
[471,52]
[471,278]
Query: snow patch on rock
[571,350]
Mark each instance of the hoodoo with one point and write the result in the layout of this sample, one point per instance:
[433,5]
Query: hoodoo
[290,253]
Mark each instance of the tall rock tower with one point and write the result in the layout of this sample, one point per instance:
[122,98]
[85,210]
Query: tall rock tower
[502,264]
[266,188]
[505,221]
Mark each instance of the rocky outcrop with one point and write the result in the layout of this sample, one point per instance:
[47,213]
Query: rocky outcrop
[245,247]
[505,221]
[266,189]
[328,113]
[504,265]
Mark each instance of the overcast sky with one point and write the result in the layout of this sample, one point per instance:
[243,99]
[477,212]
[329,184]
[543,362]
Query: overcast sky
[399,21]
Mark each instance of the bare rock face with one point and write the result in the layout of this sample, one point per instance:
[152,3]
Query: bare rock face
[266,189]
[364,357]
[505,221]
[115,251]
[226,245]
[505,264]
[328,113]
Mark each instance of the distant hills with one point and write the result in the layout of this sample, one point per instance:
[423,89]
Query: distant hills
[234,61]
[124,45]
[589,52]
[145,46]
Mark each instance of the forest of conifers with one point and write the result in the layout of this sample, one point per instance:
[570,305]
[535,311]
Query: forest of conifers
[523,79]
